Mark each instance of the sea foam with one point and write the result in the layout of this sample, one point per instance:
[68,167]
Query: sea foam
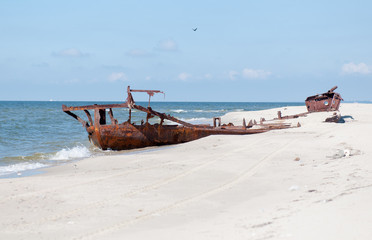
[71,153]
[197,120]
[179,111]
[19,167]
[210,111]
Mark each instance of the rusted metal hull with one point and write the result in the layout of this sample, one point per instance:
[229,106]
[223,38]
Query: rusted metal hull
[329,101]
[324,104]
[128,136]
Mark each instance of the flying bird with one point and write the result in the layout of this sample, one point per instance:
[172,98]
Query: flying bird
[195,29]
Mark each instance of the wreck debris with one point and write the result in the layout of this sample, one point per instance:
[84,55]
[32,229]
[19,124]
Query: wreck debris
[335,118]
[128,135]
[290,116]
[280,117]
[329,101]
[215,120]
[250,124]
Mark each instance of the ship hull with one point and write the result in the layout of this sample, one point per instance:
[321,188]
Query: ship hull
[129,136]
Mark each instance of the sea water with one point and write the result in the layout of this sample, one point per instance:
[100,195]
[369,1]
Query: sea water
[35,135]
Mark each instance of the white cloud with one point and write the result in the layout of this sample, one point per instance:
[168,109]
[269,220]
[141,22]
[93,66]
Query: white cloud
[138,53]
[167,45]
[255,73]
[233,75]
[117,76]
[70,52]
[183,76]
[361,68]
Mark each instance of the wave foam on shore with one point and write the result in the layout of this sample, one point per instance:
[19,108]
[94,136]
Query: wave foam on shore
[20,167]
[42,160]
[71,153]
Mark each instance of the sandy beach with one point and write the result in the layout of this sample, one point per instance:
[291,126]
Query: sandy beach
[311,182]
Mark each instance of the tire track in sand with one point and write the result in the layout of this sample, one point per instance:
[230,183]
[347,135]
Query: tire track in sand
[118,198]
[65,187]
[222,187]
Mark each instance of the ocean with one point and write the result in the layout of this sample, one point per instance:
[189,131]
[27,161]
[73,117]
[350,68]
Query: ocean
[36,134]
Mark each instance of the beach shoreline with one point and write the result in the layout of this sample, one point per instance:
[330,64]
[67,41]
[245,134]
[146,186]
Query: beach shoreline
[297,183]
[51,136]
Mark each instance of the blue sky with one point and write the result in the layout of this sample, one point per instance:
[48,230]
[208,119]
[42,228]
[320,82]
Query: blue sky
[242,50]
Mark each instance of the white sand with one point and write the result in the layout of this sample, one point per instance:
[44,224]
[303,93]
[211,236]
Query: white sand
[312,182]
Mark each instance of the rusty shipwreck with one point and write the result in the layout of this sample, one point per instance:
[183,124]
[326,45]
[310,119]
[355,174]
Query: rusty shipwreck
[329,101]
[325,102]
[107,133]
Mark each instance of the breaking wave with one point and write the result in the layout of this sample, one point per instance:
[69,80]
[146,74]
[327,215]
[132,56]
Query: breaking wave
[198,120]
[179,111]
[210,111]
[41,160]
[71,153]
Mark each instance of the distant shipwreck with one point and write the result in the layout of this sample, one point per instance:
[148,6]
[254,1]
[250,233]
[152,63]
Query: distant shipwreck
[108,133]
[329,101]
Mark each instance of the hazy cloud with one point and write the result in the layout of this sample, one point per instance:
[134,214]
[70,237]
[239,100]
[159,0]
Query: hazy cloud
[360,68]
[233,75]
[41,65]
[207,76]
[117,76]
[72,81]
[255,73]
[167,45]
[113,67]
[70,52]
[183,76]
[138,53]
